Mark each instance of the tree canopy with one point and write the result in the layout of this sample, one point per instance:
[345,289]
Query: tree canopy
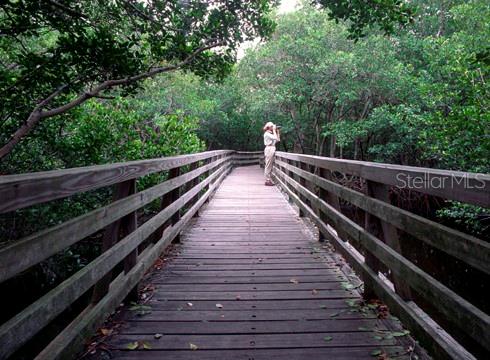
[382,14]
[57,55]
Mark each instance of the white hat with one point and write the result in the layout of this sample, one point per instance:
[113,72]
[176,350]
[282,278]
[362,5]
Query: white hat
[269,124]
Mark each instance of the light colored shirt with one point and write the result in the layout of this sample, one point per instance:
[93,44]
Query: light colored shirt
[270,139]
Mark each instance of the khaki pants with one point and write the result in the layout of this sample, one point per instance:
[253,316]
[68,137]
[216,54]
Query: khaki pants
[269,152]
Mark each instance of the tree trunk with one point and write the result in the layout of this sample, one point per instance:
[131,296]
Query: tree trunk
[333,145]
[442,19]
[322,146]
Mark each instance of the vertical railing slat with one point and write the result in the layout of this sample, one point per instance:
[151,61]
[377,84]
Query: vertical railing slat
[385,232]
[113,232]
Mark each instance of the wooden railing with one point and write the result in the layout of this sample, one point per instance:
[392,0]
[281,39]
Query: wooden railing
[249,158]
[190,180]
[377,245]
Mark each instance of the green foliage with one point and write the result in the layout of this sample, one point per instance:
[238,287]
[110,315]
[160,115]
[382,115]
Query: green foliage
[383,14]
[121,130]
[419,97]
[56,55]
[467,218]
[102,132]
[315,82]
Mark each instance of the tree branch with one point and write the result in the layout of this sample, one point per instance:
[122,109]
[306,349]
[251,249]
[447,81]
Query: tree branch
[125,81]
[38,114]
[66,9]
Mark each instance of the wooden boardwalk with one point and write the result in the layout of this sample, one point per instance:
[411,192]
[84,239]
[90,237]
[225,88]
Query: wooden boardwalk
[249,281]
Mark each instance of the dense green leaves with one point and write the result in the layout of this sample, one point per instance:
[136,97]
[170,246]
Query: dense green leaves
[418,97]
[382,14]
[58,54]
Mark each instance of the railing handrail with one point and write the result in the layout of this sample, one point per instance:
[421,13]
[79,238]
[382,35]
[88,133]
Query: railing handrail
[22,190]
[258,152]
[461,186]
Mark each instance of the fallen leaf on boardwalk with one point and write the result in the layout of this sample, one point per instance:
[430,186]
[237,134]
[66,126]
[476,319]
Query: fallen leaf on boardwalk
[132,345]
[314,291]
[338,313]
[327,338]
[190,304]
[140,309]
[347,286]
[376,352]
[146,345]
[105,332]
[382,311]
[219,306]
[192,346]
[323,306]
[400,333]
[294,281]
[157,336]
[352,302]
[148,287]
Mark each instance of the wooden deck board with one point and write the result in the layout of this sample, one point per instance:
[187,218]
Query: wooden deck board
[248,327]
[249,282]
[263,354]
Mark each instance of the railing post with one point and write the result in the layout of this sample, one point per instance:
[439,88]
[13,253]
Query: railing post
[371,225]
[167,200]
[111,237]
[129,224]
[322,194]
[192,184]
[174,195]
[386,233]
[206,174]
[303,182]
[331,199]
[290,174]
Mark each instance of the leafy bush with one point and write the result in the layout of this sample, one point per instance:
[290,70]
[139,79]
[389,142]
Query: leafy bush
[470,219]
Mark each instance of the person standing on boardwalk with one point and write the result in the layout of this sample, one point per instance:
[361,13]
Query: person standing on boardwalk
[271,137]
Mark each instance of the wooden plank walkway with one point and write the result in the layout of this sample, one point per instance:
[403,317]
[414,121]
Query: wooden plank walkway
[249,281]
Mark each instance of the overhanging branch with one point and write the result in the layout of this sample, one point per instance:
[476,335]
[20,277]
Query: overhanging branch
[38,113]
